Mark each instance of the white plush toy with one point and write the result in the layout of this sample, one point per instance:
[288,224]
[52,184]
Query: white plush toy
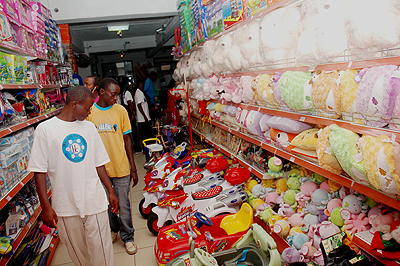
[248,39]
[279,33]
[366,33]
[226,57]
[192,61]
[323,38]
[185,70]
[206,61]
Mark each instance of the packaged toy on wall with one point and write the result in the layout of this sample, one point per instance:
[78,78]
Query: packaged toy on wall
[5,31]
[212,16]
[6,74]
[20,66]
[252,7]
[233,12]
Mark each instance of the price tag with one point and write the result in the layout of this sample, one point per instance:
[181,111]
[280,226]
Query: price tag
[52,245]
[350,64]
[302,119]
[352,183]
[8,198]
[250,168]
[46,115]
[29,225]
[1,87]
[27,123]
[259,108]
[292,159]
[19,87]
[230,130]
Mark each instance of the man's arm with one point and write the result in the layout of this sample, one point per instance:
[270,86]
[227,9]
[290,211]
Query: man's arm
[141,110]
[101,171]
[129,153]
[49,216]
[131,109]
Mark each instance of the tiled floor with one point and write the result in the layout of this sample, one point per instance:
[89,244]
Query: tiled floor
[143,238]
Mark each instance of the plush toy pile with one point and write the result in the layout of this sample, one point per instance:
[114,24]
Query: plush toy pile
[309,33]
[305,208]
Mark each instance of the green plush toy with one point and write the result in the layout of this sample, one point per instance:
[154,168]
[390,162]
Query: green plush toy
[344,148]
[251,198]
[336,217]
[317,178]
[289,198]
[266,214]
[275,166]
[293,183]
[295,89]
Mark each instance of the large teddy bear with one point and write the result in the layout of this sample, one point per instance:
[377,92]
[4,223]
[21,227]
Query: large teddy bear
[325,93]
[207,66]
[279,32]
[323,38]
[227,56]
[367,35]
[248,39]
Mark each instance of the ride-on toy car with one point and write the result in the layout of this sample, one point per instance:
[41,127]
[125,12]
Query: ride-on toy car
[176,205]
[220,233]
[256,248]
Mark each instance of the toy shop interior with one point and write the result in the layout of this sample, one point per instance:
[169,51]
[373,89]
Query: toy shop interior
[273,129]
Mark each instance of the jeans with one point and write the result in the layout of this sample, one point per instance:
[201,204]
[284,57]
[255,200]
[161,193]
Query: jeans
[123,223]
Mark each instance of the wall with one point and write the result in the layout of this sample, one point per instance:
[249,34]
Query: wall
[74,11]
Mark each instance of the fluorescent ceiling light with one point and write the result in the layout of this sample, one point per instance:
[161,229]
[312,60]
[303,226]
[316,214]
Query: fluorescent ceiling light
[118,26]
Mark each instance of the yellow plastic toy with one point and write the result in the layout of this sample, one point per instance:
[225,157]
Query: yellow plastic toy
[281,186]
[155,147]
[239,222]
[251,184]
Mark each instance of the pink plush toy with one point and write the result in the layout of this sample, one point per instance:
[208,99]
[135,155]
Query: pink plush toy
[332,204]
[308,250]
[246,82]
[307,189]
[271,198]
[324,230]
[324,185]
[376,95]
[386,217]
[357,223]
[296,219]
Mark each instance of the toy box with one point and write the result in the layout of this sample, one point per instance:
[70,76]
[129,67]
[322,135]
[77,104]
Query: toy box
[10,9]
[253,7]
[20,65]
[200,33]
[9,176]
[212,16]
[15,34]
[37,7]
[5,32]
[185,24]
[10,151]
[272,2]
[5,70]
[22,162]
[233,12]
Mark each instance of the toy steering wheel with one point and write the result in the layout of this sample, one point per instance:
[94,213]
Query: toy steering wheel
[205,258]
[202,219]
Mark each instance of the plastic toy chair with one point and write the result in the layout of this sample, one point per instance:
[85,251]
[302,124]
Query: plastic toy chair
[152,148]
[239,222]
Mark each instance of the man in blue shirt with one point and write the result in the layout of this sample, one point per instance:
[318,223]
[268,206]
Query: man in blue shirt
[149,89]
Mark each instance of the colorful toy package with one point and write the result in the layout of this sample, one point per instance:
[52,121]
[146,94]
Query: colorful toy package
[200,33]
[5,71]
[20,66]
[5,32]
[233,12]
[252,7]
[212,16]
[183,12]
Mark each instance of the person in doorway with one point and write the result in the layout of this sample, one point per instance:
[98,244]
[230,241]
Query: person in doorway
[149,89]
[92,83]
[112,123]
[142,112]
[129,104]
[69,149]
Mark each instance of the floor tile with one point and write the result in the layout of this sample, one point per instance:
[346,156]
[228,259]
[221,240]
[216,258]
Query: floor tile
[143,238]
[139,222]
[135,207]
[61,255]
[145,257]
[119,246]
[124,259]
[137,196]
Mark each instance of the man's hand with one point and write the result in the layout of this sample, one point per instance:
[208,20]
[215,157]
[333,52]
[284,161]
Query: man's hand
[134,178]
[49,217]
[113,202]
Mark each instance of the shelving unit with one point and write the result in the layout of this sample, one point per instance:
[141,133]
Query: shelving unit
[345,181]
[27,123]
[21,235]
[6,198]
[32,86]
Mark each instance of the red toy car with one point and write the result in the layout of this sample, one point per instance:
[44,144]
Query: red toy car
[221,232]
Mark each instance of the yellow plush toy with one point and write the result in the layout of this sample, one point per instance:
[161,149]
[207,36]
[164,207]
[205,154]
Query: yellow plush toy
[306,140]
[379,162]
[265,93]
[325,158]
[218,107]
[325,93]
[348,92]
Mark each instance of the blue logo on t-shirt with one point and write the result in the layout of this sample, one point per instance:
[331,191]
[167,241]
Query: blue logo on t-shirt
[107,127]
[74,148]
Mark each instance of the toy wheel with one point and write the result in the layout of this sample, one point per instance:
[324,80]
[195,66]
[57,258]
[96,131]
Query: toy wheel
[152,224]
[145,212]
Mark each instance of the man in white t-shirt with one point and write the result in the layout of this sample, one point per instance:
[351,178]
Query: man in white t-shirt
[70,150]
[142,112]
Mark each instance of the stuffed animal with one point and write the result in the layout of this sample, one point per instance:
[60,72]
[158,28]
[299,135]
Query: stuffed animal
[348,91]
[287,125]
[353,204]
[290,198]
[306,190]
[297,239]
[291,255]
[325,158]
[246,82]
[365,35]
[320,198]
[306,140]
[392,231]
[281,228]
[207,67]
[344,147]
[379,163]
[284,25]
[296,220]
[281,139]
[277,92]
[332,204]
[309,219]
[264,93]
[326,94]
[308,250]
[377,91]
[226,57]
[336,217]
[295,89]
[248,39]
[281,185]
[386,217]
[275,170]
